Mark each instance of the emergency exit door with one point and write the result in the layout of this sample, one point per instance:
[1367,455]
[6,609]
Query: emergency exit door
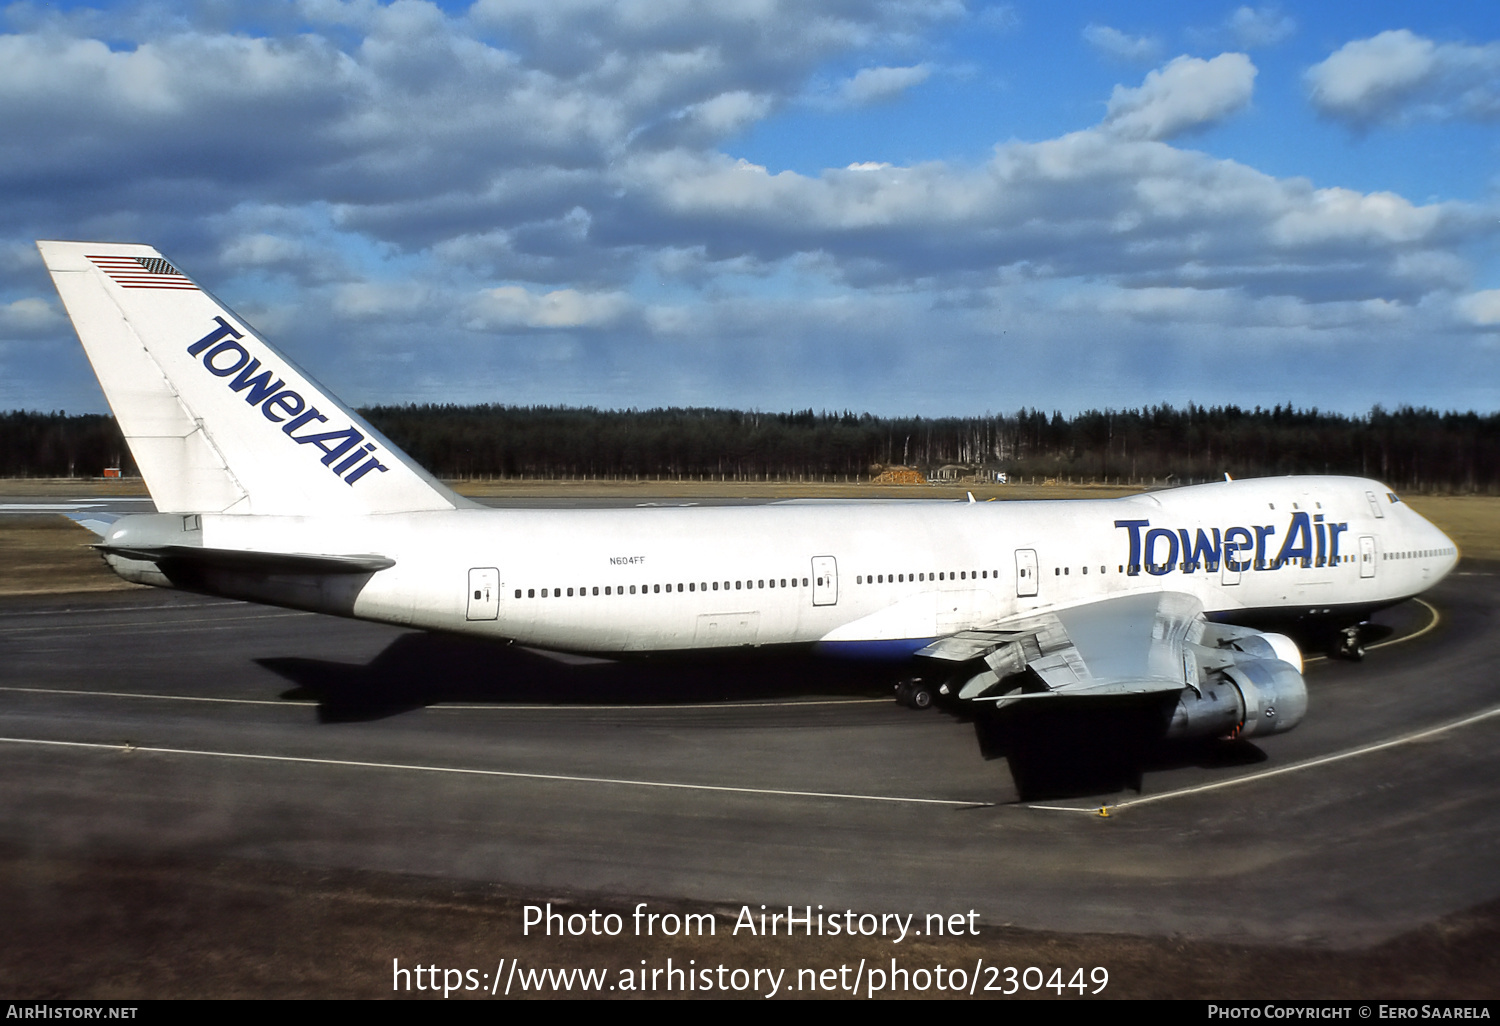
[484,593]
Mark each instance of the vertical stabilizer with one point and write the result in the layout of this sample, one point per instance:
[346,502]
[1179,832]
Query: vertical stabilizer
[216,418]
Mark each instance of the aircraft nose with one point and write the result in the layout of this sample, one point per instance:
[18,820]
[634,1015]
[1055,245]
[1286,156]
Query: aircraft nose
[1449,545]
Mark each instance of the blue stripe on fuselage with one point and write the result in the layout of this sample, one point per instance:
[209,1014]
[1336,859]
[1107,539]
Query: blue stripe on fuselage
[891,651]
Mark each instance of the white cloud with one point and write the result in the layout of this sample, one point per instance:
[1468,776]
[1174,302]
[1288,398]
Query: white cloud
[1400,76]
[1252,27]
[263,249]
[872,85]
[1186,95]
[728,113]
[1481,308]
[1117,44]
[561,167]
[511,306]
[29,318]
[1344,214]
[379,300]
[1089,204]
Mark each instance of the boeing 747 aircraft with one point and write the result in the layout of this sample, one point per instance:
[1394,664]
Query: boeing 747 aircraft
[269,489]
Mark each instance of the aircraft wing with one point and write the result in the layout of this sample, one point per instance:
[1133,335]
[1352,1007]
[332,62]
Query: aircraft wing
[1129,645]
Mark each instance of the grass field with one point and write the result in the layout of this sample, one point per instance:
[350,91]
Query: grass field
[47,553]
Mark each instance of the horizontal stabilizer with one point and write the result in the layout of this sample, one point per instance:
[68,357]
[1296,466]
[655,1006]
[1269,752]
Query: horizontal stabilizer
[99,523]
[251,562]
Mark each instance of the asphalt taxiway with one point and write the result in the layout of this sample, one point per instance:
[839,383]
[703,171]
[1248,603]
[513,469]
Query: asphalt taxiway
[155,725]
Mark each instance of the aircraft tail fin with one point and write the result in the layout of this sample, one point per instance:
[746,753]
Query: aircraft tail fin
[217,419]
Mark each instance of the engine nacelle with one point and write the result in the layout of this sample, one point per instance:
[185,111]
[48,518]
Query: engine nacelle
[1248,698]
[1270,646]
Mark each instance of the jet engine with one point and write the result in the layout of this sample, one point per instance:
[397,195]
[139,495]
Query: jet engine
[1249,685]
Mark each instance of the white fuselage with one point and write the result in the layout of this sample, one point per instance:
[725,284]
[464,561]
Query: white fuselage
[869,577]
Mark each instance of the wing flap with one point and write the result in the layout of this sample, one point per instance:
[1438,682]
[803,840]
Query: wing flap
[1128,645]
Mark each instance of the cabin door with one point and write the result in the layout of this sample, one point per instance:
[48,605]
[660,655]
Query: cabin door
[1366,556]
[484,593]
[825,581]
[1026,579]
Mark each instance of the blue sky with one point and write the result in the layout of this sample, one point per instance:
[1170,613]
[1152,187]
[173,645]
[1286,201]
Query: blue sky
[900,206]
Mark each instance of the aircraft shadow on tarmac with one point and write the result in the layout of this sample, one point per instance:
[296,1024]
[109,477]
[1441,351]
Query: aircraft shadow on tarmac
[1110,748]
[1077,754]
[422,669]
[1068,754]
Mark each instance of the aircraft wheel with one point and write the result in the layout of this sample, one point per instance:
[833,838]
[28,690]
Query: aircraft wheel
[1350,645]
[914,693]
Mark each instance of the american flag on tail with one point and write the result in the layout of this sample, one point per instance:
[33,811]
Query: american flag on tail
[142,272]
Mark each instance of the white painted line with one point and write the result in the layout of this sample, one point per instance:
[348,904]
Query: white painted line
[158,625]
[668,706]
[1437,618]
[167,698]
[47,507]
[511,774]
[1431,625]
[1296,767]
[71,611]
[497,706]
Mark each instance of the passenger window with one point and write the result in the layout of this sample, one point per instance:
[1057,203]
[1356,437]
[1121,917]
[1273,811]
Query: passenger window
[531,593]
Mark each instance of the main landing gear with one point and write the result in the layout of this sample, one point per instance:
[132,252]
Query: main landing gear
[915,693]
[1349,644]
